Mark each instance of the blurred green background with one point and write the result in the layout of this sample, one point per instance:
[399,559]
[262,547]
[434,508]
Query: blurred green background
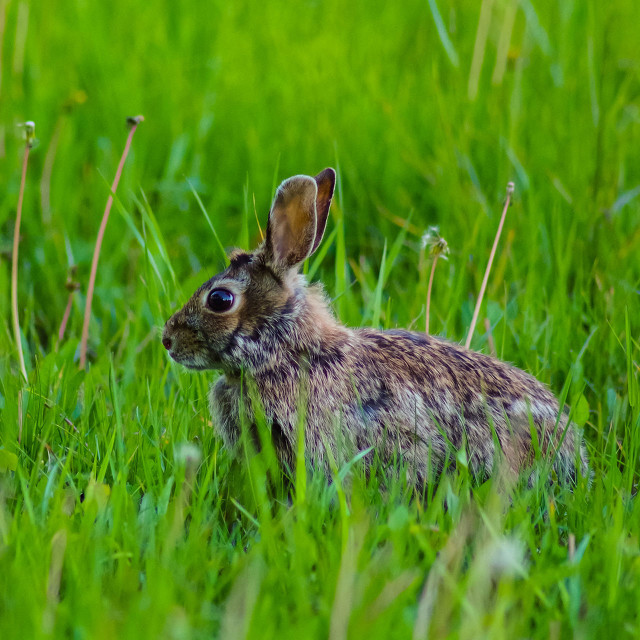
[423,109]
[427,109]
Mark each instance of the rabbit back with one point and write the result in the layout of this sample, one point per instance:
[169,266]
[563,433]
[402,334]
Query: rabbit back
[400,392]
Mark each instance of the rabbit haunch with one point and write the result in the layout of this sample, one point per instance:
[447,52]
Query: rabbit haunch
[396,391]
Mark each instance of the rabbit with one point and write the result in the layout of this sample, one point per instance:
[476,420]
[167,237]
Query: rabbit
[399,393]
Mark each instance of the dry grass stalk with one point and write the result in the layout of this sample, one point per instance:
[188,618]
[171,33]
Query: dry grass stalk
[133,123]
[71,286]
[476,311]
[29,136]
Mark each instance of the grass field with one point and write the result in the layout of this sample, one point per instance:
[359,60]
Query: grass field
[121,514]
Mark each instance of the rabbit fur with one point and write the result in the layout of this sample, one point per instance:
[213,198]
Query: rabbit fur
[398,392]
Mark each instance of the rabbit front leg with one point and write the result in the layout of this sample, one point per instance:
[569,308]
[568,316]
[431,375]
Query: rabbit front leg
[232,410]
[224,405]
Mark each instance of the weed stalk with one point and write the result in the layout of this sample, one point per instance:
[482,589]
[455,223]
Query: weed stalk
[476,311]
[133,123]
[71,286]
[29,132]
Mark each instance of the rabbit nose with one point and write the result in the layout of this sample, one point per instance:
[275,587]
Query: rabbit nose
[167,343]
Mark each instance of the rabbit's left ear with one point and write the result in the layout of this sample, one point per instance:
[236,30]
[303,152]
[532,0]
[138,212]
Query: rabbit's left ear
[298,218]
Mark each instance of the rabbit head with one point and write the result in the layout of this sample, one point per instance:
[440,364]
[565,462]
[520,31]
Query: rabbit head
[236,318]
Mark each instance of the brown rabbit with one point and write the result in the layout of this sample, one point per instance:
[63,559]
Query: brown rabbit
[399,392]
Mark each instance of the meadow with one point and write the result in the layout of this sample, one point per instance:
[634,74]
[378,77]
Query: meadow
[121,513]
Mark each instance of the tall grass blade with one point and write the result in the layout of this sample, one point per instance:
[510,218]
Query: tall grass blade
[443,35]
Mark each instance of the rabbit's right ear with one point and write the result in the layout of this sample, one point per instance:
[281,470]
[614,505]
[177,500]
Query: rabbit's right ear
[326,181]
[291,230]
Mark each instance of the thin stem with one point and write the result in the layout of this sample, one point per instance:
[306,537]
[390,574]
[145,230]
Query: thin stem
[430,285]
[65,318]
[20,417]
[483,287]
[47,171]
[255,213]
[14,265]
[96,251]
[492,344]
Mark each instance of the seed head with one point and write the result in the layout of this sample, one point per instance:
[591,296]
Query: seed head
[132,121]
[435,243]
[189,455]
[29,132]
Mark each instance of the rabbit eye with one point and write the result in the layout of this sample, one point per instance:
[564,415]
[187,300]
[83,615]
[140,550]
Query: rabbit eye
[220,300]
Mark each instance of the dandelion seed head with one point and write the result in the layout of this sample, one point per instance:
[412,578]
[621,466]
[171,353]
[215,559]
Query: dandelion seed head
[435,243]
[188,454]
[506,557]
[28,132]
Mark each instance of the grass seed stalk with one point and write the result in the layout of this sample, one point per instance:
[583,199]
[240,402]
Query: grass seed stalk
[133,123]
[29,136]
[485,279]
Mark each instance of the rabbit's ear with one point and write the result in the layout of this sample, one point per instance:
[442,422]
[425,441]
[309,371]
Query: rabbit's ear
[326,181]
[292,222]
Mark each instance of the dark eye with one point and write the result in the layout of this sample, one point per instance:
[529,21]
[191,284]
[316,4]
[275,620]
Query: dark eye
[220,300]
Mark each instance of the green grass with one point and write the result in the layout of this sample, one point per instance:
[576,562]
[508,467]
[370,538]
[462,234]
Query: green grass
[109,526]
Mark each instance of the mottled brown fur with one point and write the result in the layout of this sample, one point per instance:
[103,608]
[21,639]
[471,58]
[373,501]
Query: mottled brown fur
[397,391]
